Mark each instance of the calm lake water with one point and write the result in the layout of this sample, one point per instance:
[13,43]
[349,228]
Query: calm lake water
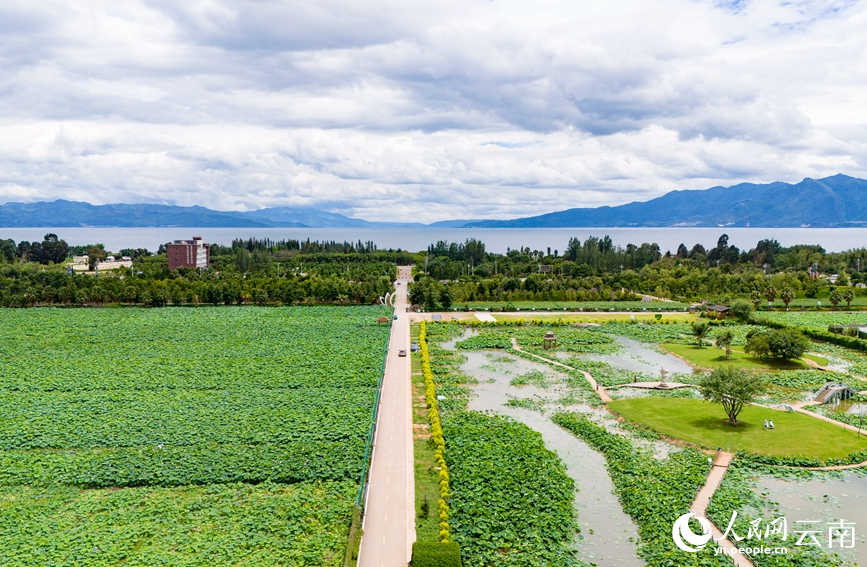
[496,239]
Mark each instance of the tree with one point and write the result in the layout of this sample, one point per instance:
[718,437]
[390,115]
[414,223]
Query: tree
[724,341]
[53,249]
[787,295]
[755,298]
[95,254]
[770,294]
[446,298]
[848,296]
[733,388]
[259,295]
[783,344]
[835,298]
[700,331]
[742,310]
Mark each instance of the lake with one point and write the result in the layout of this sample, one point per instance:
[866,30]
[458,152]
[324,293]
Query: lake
[496,239]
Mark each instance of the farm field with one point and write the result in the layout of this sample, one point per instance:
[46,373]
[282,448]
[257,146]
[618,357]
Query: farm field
[573,305]
[209,436]
[817,320]
[599,317]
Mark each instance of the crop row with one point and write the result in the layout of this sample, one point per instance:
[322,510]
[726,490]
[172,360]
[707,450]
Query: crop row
[175,466]
[123,418]
[259,525]
[511,499]
[76,349]
[653,492]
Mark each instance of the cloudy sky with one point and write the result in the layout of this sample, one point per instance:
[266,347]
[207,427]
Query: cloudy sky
[408,110]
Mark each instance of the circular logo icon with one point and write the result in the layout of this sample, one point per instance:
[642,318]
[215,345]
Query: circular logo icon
[681,532]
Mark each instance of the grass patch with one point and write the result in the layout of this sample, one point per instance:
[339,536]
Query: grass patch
[820,360]
[712,357]
[705,424]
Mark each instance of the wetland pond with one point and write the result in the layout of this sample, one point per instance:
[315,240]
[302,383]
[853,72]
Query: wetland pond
[608,535]
[824,500]
[635,356]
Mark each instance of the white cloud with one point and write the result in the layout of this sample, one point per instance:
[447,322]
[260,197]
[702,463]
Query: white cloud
[425,111]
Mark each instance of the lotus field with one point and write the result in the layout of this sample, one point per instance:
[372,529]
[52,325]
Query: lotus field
[209,436]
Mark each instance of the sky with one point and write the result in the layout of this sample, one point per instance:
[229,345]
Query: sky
[402,110]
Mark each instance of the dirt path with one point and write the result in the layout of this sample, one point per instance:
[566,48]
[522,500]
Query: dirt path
[603,395]
[389,515]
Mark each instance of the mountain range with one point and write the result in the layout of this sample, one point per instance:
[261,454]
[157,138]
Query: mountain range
[836,201]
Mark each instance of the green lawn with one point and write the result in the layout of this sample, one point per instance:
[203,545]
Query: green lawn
[818,359]
[706,425]
[712,357]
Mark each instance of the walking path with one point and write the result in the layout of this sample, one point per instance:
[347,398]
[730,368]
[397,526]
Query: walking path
[799,407]
[389,515]
[486,317]
[702,499]
[603,395]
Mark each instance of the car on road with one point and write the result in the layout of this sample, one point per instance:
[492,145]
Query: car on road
[395,317]
[401,352]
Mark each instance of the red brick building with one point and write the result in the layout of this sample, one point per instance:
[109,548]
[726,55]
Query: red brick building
[189,254]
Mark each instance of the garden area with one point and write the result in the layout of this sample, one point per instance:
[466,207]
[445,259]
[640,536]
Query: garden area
[654,445]
[187,436]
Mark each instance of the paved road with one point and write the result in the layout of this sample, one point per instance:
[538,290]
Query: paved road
[389,518]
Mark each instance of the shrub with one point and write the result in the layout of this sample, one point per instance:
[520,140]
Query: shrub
[785,344]
[742,310]
[434,554]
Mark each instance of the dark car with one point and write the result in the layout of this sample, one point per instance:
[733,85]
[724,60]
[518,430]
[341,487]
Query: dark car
[414,346]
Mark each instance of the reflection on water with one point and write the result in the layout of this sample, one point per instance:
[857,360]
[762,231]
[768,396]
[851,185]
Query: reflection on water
[608,534]
[636,356]
[848,406]
[826,500]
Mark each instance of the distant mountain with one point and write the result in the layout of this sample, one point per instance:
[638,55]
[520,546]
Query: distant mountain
[837,201]
[62,213]
[314,218]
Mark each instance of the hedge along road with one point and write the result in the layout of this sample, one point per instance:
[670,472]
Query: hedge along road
[389,516]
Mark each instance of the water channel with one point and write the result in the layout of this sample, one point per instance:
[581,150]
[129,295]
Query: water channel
[608,535]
